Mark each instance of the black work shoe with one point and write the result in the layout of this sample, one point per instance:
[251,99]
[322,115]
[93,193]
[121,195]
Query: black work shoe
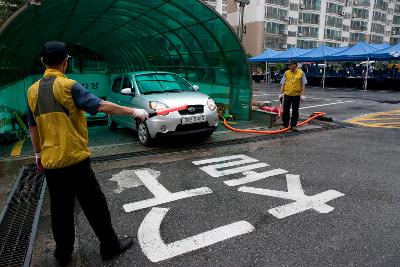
[294,128]
[111,252]
[63,258]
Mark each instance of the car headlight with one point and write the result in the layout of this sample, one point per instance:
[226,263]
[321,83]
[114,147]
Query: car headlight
[155,105]
[211,104]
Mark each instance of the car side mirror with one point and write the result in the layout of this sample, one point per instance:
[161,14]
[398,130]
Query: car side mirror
[127,91]
[196,87]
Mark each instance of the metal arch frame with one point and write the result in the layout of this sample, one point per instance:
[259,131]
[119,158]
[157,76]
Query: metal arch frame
[152,27]
[158,33]
[111,46]
[216,42]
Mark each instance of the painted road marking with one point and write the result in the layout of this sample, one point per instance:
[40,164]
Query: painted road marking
[328,104]
[156,250]
[212,170]
[17,148]
[252,176]
[161,194]
[295,192]
[386,119]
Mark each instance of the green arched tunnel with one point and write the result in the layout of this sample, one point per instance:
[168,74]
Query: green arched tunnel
[108,37]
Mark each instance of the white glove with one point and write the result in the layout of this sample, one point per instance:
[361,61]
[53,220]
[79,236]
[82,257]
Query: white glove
[38,162]
[302,98]
[140,114]
[280,96]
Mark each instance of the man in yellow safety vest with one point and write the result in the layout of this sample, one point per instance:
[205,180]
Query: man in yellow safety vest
[59,135]
[292,92]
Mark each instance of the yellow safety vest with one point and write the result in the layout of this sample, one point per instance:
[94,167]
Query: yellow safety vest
[61,124]
[293,82]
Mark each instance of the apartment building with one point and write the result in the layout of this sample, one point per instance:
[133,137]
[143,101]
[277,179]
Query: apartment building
[219,5]
[281,24]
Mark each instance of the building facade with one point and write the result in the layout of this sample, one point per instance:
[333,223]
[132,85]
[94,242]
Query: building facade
[281,24]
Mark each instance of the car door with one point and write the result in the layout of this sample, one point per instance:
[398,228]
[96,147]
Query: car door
[126,100]
[114,96]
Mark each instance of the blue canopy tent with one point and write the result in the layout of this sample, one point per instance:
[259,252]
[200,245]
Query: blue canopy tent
[320,54]
[265,56]
[359,51]
[290,54]
[392,52]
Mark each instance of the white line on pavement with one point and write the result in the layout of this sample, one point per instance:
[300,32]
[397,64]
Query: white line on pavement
[154,247]
[329,104]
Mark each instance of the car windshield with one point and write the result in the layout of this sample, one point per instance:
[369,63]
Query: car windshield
[161,83]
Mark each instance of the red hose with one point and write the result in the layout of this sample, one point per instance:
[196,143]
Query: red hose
[317,114]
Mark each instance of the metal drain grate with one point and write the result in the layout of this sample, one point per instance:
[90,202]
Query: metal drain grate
[258,138]
[20,216]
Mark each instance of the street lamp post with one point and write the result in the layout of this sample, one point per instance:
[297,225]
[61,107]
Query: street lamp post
[242,5]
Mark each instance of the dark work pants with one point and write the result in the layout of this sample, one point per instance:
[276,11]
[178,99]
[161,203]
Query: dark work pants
[77,181]
[294,102]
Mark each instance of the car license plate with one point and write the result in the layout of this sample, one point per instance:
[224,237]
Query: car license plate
[193,119]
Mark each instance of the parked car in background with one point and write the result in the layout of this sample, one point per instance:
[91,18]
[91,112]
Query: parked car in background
[152,91]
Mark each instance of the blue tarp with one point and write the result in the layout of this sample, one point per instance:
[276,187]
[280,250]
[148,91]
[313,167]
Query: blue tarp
[380,46]
[290,54]
[265,56]
[360,51]
[392,52]
[320,53]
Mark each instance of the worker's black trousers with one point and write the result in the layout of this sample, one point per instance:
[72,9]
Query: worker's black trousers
[66,184]
[294,103]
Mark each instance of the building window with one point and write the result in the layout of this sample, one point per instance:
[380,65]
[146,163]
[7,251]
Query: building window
[381,4]
[333,22]
[309,18]
[395,31]
[307,44]
[397,9]
[333,35]
[360,13]
[379,16]
[277,13]
[278,2]
[376,39]
[331,44]
[311,4]
[394,40]
[366,3]
[378,28]
[308,31]
[275,28]
[357,37]
[359,25]
[334,8]
[276,42]
[396,19]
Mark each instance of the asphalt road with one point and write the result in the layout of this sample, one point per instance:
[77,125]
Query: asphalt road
[328,198]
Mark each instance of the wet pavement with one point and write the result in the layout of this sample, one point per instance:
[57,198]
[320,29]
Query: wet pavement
[351,172]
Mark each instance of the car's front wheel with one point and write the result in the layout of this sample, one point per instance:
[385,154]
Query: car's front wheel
[143,134]
[112,125]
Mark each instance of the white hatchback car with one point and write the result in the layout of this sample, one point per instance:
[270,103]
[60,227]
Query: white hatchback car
[152,91]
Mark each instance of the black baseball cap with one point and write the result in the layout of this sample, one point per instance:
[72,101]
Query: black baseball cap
[292,62]
[54,53]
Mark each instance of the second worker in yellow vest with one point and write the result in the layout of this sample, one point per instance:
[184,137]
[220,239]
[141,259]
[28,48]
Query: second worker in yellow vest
[292,91]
